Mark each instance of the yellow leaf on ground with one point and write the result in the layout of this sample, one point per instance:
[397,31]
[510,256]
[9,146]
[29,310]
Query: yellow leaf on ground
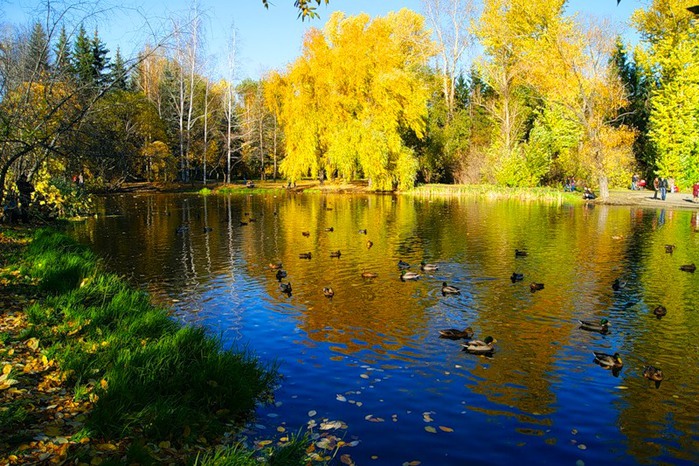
[164,444]
[104,384]
[7,368]
[106,447]
[33,344]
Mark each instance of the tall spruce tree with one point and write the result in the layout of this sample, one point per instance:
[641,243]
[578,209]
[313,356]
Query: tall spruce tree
[118,74]
[63,65]
[36,62]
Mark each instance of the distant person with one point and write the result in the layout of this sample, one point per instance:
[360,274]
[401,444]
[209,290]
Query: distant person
[656,186]
[588,194]
[663,188]
[25,189]
[81,181]
[634,182]
[695,192]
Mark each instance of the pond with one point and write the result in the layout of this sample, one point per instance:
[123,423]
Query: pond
[371,358]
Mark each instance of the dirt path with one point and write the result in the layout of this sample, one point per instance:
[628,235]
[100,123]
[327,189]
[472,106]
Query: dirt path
[645,198]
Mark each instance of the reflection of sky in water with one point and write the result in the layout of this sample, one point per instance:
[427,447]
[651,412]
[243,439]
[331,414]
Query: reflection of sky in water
[372,354]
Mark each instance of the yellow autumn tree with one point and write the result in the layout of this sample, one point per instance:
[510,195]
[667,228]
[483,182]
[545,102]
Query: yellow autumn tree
[345,103]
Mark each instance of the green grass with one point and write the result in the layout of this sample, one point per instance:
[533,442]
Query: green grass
[544,194]
[152,376]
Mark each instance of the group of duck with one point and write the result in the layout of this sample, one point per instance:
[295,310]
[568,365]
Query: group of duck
[611,362]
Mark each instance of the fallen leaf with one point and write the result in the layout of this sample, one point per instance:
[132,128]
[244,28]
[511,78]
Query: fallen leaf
[312,413]
[340,398]
[431,429]
[7,368]
[446,429]
[264,443]
[32,344]
[346,459]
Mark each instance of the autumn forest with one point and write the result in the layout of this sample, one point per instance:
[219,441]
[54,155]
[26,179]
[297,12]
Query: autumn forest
[390,100]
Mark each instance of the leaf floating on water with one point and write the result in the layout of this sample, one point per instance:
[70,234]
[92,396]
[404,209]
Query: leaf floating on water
[330,425]
[264,443]
[272,415]
[580,463]
[582,446]
[340,398]
[621,387]
[426,417]
[359,403]
[346,459]
[312,413]
[446,429]
[431,429]
[281,429]
[353,443]
[364,376]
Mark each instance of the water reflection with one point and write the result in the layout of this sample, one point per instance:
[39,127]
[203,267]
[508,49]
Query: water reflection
[375,344]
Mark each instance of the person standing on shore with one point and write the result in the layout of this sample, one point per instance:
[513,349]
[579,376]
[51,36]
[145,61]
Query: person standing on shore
[634,182]
[656,185]
[663,188]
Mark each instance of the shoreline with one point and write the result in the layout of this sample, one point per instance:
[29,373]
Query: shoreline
[617,197]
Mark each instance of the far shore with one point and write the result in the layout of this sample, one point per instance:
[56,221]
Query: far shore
[621,197]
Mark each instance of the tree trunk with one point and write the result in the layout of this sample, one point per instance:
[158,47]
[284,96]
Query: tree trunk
[603,186]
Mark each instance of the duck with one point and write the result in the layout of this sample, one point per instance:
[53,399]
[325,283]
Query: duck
[670,248]
[208,229]
[281,274]
[306,233]
[480,347]
[536,287]
[331,229]
[618,284]
[608,361]
[448,289]
[403,265]
[660,311]
[688,268]
[275,265]
[516,277]
[654,374]
[521,253]
[602,326]
[409,275]
[285,287]
[242,224]
[369,244]
[369,274]
[456,334]
[335,253]
[305,255]
[425,267]
[362,231]
[328,292]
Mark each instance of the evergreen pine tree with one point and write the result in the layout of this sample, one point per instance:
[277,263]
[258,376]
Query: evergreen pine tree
[63,66]
[100,61]
[82,58]
[36,63]
[118,74]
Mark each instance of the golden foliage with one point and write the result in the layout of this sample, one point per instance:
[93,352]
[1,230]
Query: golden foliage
[344,103]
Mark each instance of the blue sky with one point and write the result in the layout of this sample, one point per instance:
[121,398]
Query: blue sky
[267,38]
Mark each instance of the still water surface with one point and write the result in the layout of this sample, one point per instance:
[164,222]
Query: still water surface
[371,356]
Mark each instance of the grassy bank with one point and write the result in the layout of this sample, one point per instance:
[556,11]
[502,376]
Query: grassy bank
[492,192]
[92,372]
